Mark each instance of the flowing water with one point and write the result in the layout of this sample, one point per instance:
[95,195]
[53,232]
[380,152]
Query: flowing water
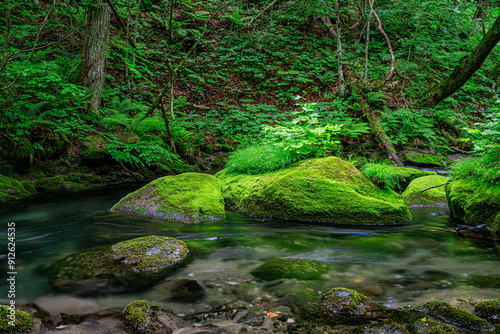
[395,265]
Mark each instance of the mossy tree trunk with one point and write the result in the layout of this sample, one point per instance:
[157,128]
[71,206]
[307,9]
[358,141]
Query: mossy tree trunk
[377,129]
[467,67]
[92,71]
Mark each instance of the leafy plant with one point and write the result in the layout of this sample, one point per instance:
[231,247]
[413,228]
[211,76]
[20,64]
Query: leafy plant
[260,158]
[382,176]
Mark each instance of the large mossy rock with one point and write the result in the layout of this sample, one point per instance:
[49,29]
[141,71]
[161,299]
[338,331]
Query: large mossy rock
[290,268]
[188,197]
[125,266]
[12,189]
[474,202]
[318,190]
[424,159]
[414,196]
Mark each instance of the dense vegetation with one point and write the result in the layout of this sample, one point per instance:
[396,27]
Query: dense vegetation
[282,80]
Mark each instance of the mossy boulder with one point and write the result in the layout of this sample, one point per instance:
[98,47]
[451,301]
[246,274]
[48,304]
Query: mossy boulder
[345,301]
[176,167]
[59,183]
[414,196]
[12,189]
[456,316]
[407,175]
[138,314]
[23,323]
[424,159]
[290,268]
[474,202]
[125,266]
[188,197]
[317,190]
[489,309]
[430,326]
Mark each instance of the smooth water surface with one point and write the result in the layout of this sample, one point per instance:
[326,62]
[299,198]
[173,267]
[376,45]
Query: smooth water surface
[395,265]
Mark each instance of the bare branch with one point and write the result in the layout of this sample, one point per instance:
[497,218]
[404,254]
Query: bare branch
[443,184]
[120,22]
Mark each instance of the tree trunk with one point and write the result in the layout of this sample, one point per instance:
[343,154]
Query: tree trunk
[93,66]
[376,127]
[467,67]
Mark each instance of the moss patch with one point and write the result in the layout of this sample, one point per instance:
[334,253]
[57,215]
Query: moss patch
[430,326]
[151,253]
[188,197]
[59,183]
[425,160]
[455,316]
[413,195]
[474,202]
[176,167]
[290,268]
[11,189]
[23,322]
[323,190]
[138,314]
[489,309]
[344,301]
[135,264]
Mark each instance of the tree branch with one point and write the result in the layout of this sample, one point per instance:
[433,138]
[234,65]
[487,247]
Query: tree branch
[120,22]
[443,184]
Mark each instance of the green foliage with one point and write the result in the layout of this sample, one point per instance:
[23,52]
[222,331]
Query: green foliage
[144,153]
[382,175]
[260,158]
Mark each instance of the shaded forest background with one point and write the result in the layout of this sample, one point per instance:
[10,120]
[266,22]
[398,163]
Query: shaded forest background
[151,82]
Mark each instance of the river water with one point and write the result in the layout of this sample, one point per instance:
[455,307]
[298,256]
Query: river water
[395,265]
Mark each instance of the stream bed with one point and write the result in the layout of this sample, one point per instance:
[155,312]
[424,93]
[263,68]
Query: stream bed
[394,265]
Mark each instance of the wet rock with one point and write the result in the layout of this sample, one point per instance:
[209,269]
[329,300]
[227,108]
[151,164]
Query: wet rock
[430,326]
[142,317]
[414,196]
[489,309]
[125,266]
[188,197]
[11,189]
[455,316]
[474,202]
[289,268]
[183,290]
[22,320]
[421,159]
[54,306]
[321,190]
[345,301]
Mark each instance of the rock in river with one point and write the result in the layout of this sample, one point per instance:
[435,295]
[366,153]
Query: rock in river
[319,190]
[188,197]
[414,196]
[125,266]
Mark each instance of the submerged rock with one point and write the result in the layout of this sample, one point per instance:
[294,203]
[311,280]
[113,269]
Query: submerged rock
[345,301]
[319,190]
[456,316]
[289,268]
[188,197]
[414,196]
[474,202]
[12,189]
[125,266]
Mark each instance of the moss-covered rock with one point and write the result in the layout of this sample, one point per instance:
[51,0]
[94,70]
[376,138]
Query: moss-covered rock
[138,314]
[188,197]
[425,160]
[128,265]
[489,309]
[414,196]
[474,202]
[387,176]
[23,323]
[290,268]
[176,167]
[345,301]
[456,316]
[430,326]
[322,190]
[11,189]
[59,183]
[93,151]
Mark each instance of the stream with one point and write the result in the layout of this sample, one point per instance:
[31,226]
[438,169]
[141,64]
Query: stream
[394,265]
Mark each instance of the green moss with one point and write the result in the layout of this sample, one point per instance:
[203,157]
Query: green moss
[150,253]
[188,197]
[386,327]
[324,190]
[59,183]
[176,167]
[290,268]
[23,322]
[138,314]
[11,189]
[474,202]
[73,319]
[138,262]
[455,316]
[489,309]
[344,301]
[413,195]
[396,178]
[430,326]
[425,160]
